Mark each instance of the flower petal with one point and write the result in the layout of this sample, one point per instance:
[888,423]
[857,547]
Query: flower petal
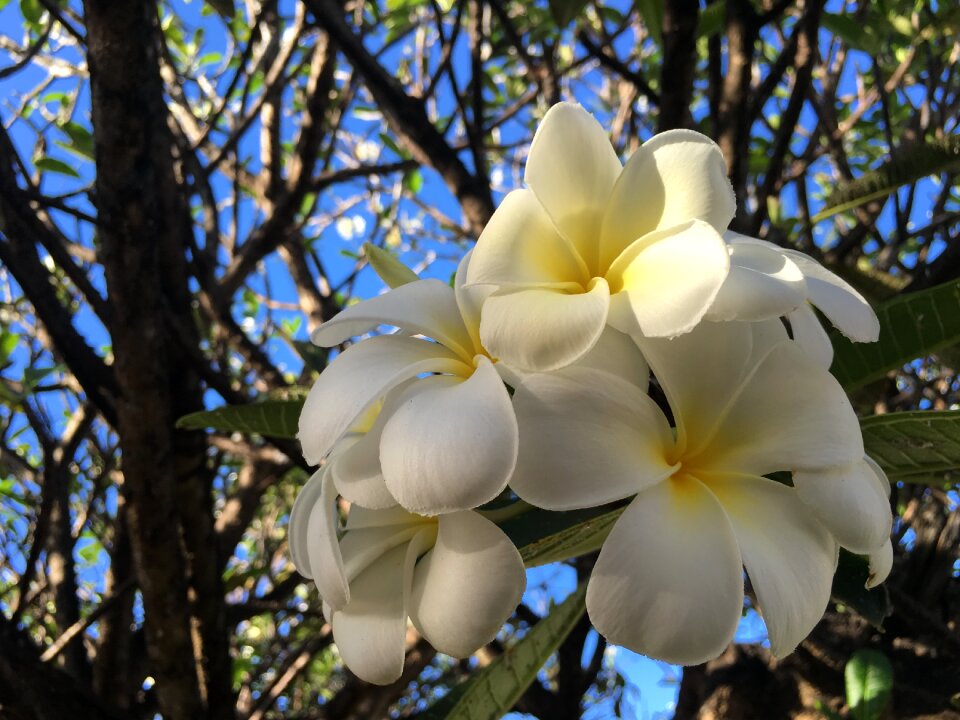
[789,556]
[322,550]
[586,438]
[803,423]
[572,168]
[674,177]
[668,582]
[544,329]
[465,588]
[359,377]
[424,307]
[470,298]
[763,283]
[809,334]
[670,278]
[618,354]
[851,502]
[370,631]
[838,300]
[881,563]
[520,247]
[362,518]
[452,444]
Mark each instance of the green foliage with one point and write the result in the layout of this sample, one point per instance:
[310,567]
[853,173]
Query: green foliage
[855,34]
[849,589]
[393,272]
[566,11]
[491,692]
[652,13]
[905,166]
[274,418]
[911,326]
[917,446]
[869,683]
[49,164]
[544,537]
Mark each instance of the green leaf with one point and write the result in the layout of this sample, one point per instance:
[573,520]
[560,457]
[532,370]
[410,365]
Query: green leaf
[393,272]
[652,13]
[544,537]
[8,343]
[869,682]
[81,141]
[711,20]
[275,418]
[224,8]
[849,588]
[413,180]
[911,326]
[32,11]
[491,692]
[313,357]
[905,166]
[565,11]
[49,164]
[855,34]
[922,446]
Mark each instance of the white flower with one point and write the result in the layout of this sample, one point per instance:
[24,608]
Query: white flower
[767,281]
[457,577]
[746,403]
[591,242]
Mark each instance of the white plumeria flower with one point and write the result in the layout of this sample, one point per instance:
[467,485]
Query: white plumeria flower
[746,403]
[457,577]
[591,242]
[768,281]
[440,443]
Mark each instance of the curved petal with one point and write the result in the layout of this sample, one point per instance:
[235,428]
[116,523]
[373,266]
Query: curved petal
[803,423]
[586,438]
[322,548]
[671,278]
[838,300]
[359,377]
[881,563]
[470,299]
[370,631]
[789,556]
[850,502]
[544,329]
[809,334]
[308,496]
[618,354]
[520,247]
[572,168]
[669,582]
[452,444]
[423,307]
[363,518]
[762,284]
[674,177]
[465,588]
[698,391]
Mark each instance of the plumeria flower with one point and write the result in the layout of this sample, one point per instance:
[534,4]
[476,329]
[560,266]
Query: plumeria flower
[746,403]
[456,576]
[437,443]
[767,281]
[591,242]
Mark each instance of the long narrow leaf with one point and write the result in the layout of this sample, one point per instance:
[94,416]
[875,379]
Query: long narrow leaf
[274,418]
[919,446]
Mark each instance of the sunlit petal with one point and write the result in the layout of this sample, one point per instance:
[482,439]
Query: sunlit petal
[668,582]
[544,329]
[452,444]
[762,284]
[809,334]
[465,588]
[586,438]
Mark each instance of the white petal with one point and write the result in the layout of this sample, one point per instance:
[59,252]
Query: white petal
[762,284]
[452,445]
[838,300]
[520,247]
[809,334]
[308,496]
[322,549]
[674,177]
[850,502]
[586,438]
[470,298]
[424,307]
[370,631]
[465,588]
[881,563]
[572,169]
[359,377]
[700,373]
[544,329]
[668,582]
[618,354]
[670,278]
[360,517]
[790,414]
[789,556]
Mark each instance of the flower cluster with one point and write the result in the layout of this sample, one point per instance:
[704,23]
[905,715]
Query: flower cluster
[589,287]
